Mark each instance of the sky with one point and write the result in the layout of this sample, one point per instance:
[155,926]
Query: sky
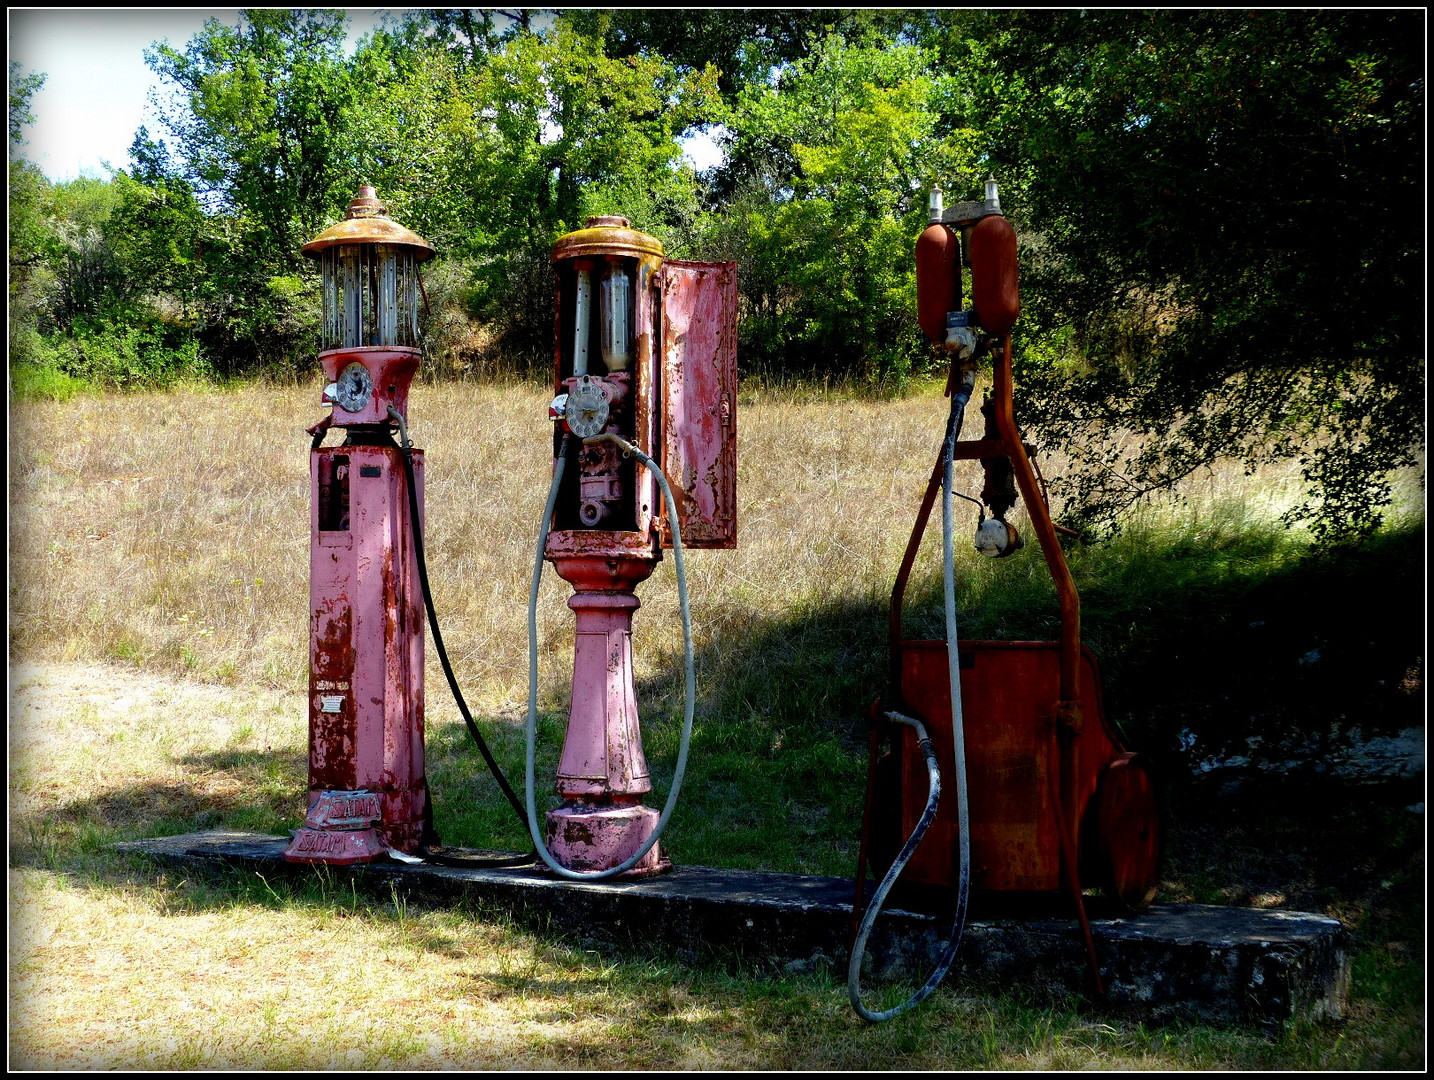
[97,87]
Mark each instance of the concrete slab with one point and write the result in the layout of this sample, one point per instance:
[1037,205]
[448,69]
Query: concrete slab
[1176,961]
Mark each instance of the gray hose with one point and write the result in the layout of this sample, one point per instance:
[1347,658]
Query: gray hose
[963,887]
[858,949]
[689,701]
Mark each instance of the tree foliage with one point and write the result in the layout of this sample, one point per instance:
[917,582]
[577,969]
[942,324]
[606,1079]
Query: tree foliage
[261,118]
[828,164]
[1222,261]
[1219,210]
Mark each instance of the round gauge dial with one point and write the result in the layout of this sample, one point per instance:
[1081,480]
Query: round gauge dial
[353,389]
[587,409]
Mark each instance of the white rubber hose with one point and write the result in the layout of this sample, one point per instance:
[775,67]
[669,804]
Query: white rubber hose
[958,735]
[690,699]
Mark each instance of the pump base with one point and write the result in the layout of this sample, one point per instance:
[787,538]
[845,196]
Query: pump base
[585,838]
[336,847]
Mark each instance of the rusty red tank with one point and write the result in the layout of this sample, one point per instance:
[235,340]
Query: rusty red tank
[938,279]
[991,248]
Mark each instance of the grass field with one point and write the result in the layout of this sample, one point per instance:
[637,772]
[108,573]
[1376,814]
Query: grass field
[158,621]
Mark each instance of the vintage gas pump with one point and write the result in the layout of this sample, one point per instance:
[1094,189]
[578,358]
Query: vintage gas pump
[645,376]
[1046,795]
[367,790]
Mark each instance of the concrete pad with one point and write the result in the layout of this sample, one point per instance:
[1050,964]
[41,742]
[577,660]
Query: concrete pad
[1219,965]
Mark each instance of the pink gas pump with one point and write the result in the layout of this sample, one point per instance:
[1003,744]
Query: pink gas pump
[646,377]
[367,791]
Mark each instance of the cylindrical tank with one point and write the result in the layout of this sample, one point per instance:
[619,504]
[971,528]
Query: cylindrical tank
[938,279]
[991,249]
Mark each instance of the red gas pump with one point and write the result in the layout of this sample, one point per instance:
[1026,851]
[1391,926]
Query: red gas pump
[367,790]
[1047,797]
[646,378]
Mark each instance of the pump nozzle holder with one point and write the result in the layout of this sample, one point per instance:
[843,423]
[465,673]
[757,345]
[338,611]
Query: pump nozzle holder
[961,339]
[997,538]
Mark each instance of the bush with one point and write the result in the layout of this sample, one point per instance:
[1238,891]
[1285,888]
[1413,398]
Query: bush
[142,353]
[41,382]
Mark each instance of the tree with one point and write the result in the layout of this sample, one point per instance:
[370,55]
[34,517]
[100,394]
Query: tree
[509,140]
[260,119]
[34,251]
[743,46]
[1219,210]
[260,122]
[23,87]
[820,199]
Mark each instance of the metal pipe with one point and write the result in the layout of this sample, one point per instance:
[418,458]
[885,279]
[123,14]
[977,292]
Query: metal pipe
[1044,528]
[1065,736]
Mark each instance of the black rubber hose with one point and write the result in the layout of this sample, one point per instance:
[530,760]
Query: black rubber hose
[513,800]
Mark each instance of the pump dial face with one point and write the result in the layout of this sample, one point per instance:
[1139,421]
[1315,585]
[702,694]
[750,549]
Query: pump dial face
[353,388]
[587,408]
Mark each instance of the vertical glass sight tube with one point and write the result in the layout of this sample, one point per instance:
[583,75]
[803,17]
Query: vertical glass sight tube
[580,322]
[616,319]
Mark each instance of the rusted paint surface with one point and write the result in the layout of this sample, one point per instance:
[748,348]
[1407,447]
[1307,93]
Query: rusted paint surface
[637,506]
[938,279]
[586,838]
[367,222]
[344,810]
[331,710]
[602,773]
[392,370]
[1008,689]
[366,697]
[600,544]
[609,235]
[602,754]
[699,400]
[995,294]
[342,847]
[646,411]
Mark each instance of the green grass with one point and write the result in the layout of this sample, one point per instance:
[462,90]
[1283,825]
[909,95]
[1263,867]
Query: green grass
[1204,620]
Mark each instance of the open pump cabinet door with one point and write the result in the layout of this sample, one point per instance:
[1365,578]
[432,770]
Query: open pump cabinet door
[699,400]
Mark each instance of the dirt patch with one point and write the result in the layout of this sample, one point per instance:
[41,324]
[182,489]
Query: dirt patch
[115,750]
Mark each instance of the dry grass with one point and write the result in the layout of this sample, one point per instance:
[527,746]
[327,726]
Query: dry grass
[170,531]
[158,596]
[114,964]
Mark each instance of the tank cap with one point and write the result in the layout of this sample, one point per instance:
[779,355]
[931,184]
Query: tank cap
[608,221]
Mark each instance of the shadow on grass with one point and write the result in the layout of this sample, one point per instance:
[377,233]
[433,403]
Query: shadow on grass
[1205,645]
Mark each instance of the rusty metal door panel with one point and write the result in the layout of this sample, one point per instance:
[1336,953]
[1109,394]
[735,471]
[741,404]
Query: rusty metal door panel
[699,400]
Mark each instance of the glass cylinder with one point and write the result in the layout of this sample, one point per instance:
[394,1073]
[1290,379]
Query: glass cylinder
[582,306]
[370,296]
[617,317]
